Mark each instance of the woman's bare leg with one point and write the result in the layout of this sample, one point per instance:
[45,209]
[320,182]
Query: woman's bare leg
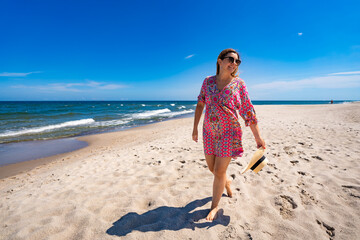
[220,167]
[228,188]
[210,160]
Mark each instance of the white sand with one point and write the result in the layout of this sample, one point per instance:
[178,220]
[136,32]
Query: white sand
[152,182]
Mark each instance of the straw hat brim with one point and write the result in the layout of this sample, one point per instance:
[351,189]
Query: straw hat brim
[257,162]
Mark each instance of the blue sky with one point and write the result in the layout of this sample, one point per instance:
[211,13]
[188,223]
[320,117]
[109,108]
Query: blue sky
[162,50]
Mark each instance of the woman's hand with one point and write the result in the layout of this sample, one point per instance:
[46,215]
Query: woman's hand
[195,135]
[260,142]
[198,111]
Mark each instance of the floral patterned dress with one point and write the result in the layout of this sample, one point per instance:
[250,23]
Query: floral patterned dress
[221,130]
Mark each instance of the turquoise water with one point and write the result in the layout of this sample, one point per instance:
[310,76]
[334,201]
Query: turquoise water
[32,130]
[27,121]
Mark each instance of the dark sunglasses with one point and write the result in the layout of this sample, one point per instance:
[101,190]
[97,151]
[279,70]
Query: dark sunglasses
[231,59]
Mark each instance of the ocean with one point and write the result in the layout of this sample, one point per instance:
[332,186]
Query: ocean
[33,123]
[28,121]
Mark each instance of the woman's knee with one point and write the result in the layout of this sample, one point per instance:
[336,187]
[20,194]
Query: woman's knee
[219,172]
[210,160]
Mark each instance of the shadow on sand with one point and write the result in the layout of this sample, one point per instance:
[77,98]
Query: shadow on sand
[167,218]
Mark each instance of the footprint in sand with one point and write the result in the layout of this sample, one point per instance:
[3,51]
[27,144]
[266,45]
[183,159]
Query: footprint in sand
[229,233]
[287,204]
[289,150]
[303,173]
[317,157]
[300,182]
[237,163]
[306,198]
[329,230]
[304,158]
[353,191]
[151,203]
[276,154]
[272,165]
[301,152]
[278,180]
[294,162]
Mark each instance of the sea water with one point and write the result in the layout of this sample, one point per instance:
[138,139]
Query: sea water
[39,121]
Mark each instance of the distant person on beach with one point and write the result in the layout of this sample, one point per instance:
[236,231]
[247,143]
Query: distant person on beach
[224,94]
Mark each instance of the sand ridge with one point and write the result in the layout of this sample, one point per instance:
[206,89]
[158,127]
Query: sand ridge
[152,182]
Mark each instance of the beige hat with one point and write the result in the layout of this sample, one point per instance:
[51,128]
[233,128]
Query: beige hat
[257,162]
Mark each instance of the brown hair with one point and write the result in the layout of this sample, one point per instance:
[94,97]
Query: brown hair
[222,55]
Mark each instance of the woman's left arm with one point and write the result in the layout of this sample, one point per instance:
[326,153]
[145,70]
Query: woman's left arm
[247,112]
[259,141]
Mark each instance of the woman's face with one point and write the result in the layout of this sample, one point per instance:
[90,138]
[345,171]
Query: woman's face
[226,64]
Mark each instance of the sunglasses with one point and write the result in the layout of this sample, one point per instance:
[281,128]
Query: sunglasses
[231,59]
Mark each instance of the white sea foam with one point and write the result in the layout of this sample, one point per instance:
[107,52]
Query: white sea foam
[173,114]
[181,107]
[159,113]
[143,105]
[48,128]
[172,104]
[150,113]
[111,123]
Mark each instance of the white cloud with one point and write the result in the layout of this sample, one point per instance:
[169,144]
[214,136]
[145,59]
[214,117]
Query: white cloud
[300,34]
[7,74]
[190,56]
[111,86]
[345,73]
[74,87]
[339,80]
[49,87]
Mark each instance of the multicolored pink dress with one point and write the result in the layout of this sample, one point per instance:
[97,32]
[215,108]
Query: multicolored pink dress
[221,130]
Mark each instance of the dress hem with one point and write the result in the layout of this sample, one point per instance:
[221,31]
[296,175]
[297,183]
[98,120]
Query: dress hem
[234,156]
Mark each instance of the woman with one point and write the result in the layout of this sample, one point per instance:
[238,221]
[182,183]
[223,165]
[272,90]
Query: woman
[224,94]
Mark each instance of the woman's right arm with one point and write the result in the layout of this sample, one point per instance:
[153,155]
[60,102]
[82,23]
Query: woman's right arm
[199,109]
[198,112]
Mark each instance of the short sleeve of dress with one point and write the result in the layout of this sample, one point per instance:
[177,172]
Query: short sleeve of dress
[246,110]
[202,94]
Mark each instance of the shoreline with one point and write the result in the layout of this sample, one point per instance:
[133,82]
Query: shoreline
[13,169]
[92,140]
[12,153]
[137,184]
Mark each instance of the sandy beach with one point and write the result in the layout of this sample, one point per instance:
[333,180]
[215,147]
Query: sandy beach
[152,182]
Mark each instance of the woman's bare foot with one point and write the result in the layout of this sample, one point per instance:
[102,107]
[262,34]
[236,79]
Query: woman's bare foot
[228,189]
[212,214]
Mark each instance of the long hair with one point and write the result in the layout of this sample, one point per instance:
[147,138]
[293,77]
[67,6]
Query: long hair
[222,55]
